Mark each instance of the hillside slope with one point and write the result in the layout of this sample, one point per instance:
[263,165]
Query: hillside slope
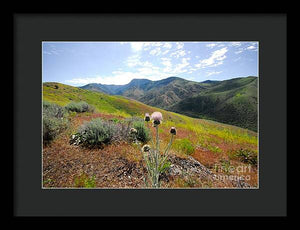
[232,102]
[208,142]
[160,93]
[62,94]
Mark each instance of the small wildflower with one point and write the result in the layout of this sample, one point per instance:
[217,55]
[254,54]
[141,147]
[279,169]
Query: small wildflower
[147,117]
[146,148]
[133,131]
[173,130]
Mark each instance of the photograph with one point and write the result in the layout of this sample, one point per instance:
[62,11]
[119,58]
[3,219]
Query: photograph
[150,115]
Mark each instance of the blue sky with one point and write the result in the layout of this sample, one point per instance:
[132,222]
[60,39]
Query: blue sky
[80,63]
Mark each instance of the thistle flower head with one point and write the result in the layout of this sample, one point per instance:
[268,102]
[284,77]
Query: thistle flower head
[173,130]
[146,148]
[147,117]
[157,118]
[133,131]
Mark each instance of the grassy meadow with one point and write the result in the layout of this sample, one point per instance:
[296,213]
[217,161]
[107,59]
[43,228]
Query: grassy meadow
[225,151]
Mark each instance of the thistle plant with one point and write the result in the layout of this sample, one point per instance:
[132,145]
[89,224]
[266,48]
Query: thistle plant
[133,132]
[153,157]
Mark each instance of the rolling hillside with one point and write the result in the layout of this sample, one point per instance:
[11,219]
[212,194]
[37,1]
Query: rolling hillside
[231,101]
[119,106]
[210,143]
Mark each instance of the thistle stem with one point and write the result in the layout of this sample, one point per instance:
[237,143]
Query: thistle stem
[156,158]
[166,153]
[169,145]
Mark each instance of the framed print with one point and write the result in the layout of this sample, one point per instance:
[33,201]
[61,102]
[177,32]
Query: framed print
[117,110]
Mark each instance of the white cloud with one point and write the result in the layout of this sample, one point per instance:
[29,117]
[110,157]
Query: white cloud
[211,45]
[216,44]
[215,59]
[149,45]
[168,65]
[120,77]
[238,52]
[166,61]
[147,64]
[155,51]
[157,48]
[251,48]
[51,50]
[181,67]
[209,73]
[133,60]
[178,53]
[167,45]
[236,44]
[136,46]
[180,45]
[165,52]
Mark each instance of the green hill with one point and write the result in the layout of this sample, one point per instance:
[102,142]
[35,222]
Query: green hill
[111,104]
[119,106]
[232,102]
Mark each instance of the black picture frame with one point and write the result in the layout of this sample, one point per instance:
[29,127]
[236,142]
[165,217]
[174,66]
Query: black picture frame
[31,29]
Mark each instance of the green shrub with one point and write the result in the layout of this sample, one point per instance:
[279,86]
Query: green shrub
[96,133]
[143,134]
[184,145]
[52,127]
[80,107]
[53,110]
[247,156]
[54,121]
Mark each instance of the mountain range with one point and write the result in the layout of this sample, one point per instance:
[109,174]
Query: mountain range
[231,101]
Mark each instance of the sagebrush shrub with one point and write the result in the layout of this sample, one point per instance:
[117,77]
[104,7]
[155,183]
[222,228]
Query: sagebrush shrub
[54,121]
[96,133]
[143,134]
[53,110]
[79,107]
